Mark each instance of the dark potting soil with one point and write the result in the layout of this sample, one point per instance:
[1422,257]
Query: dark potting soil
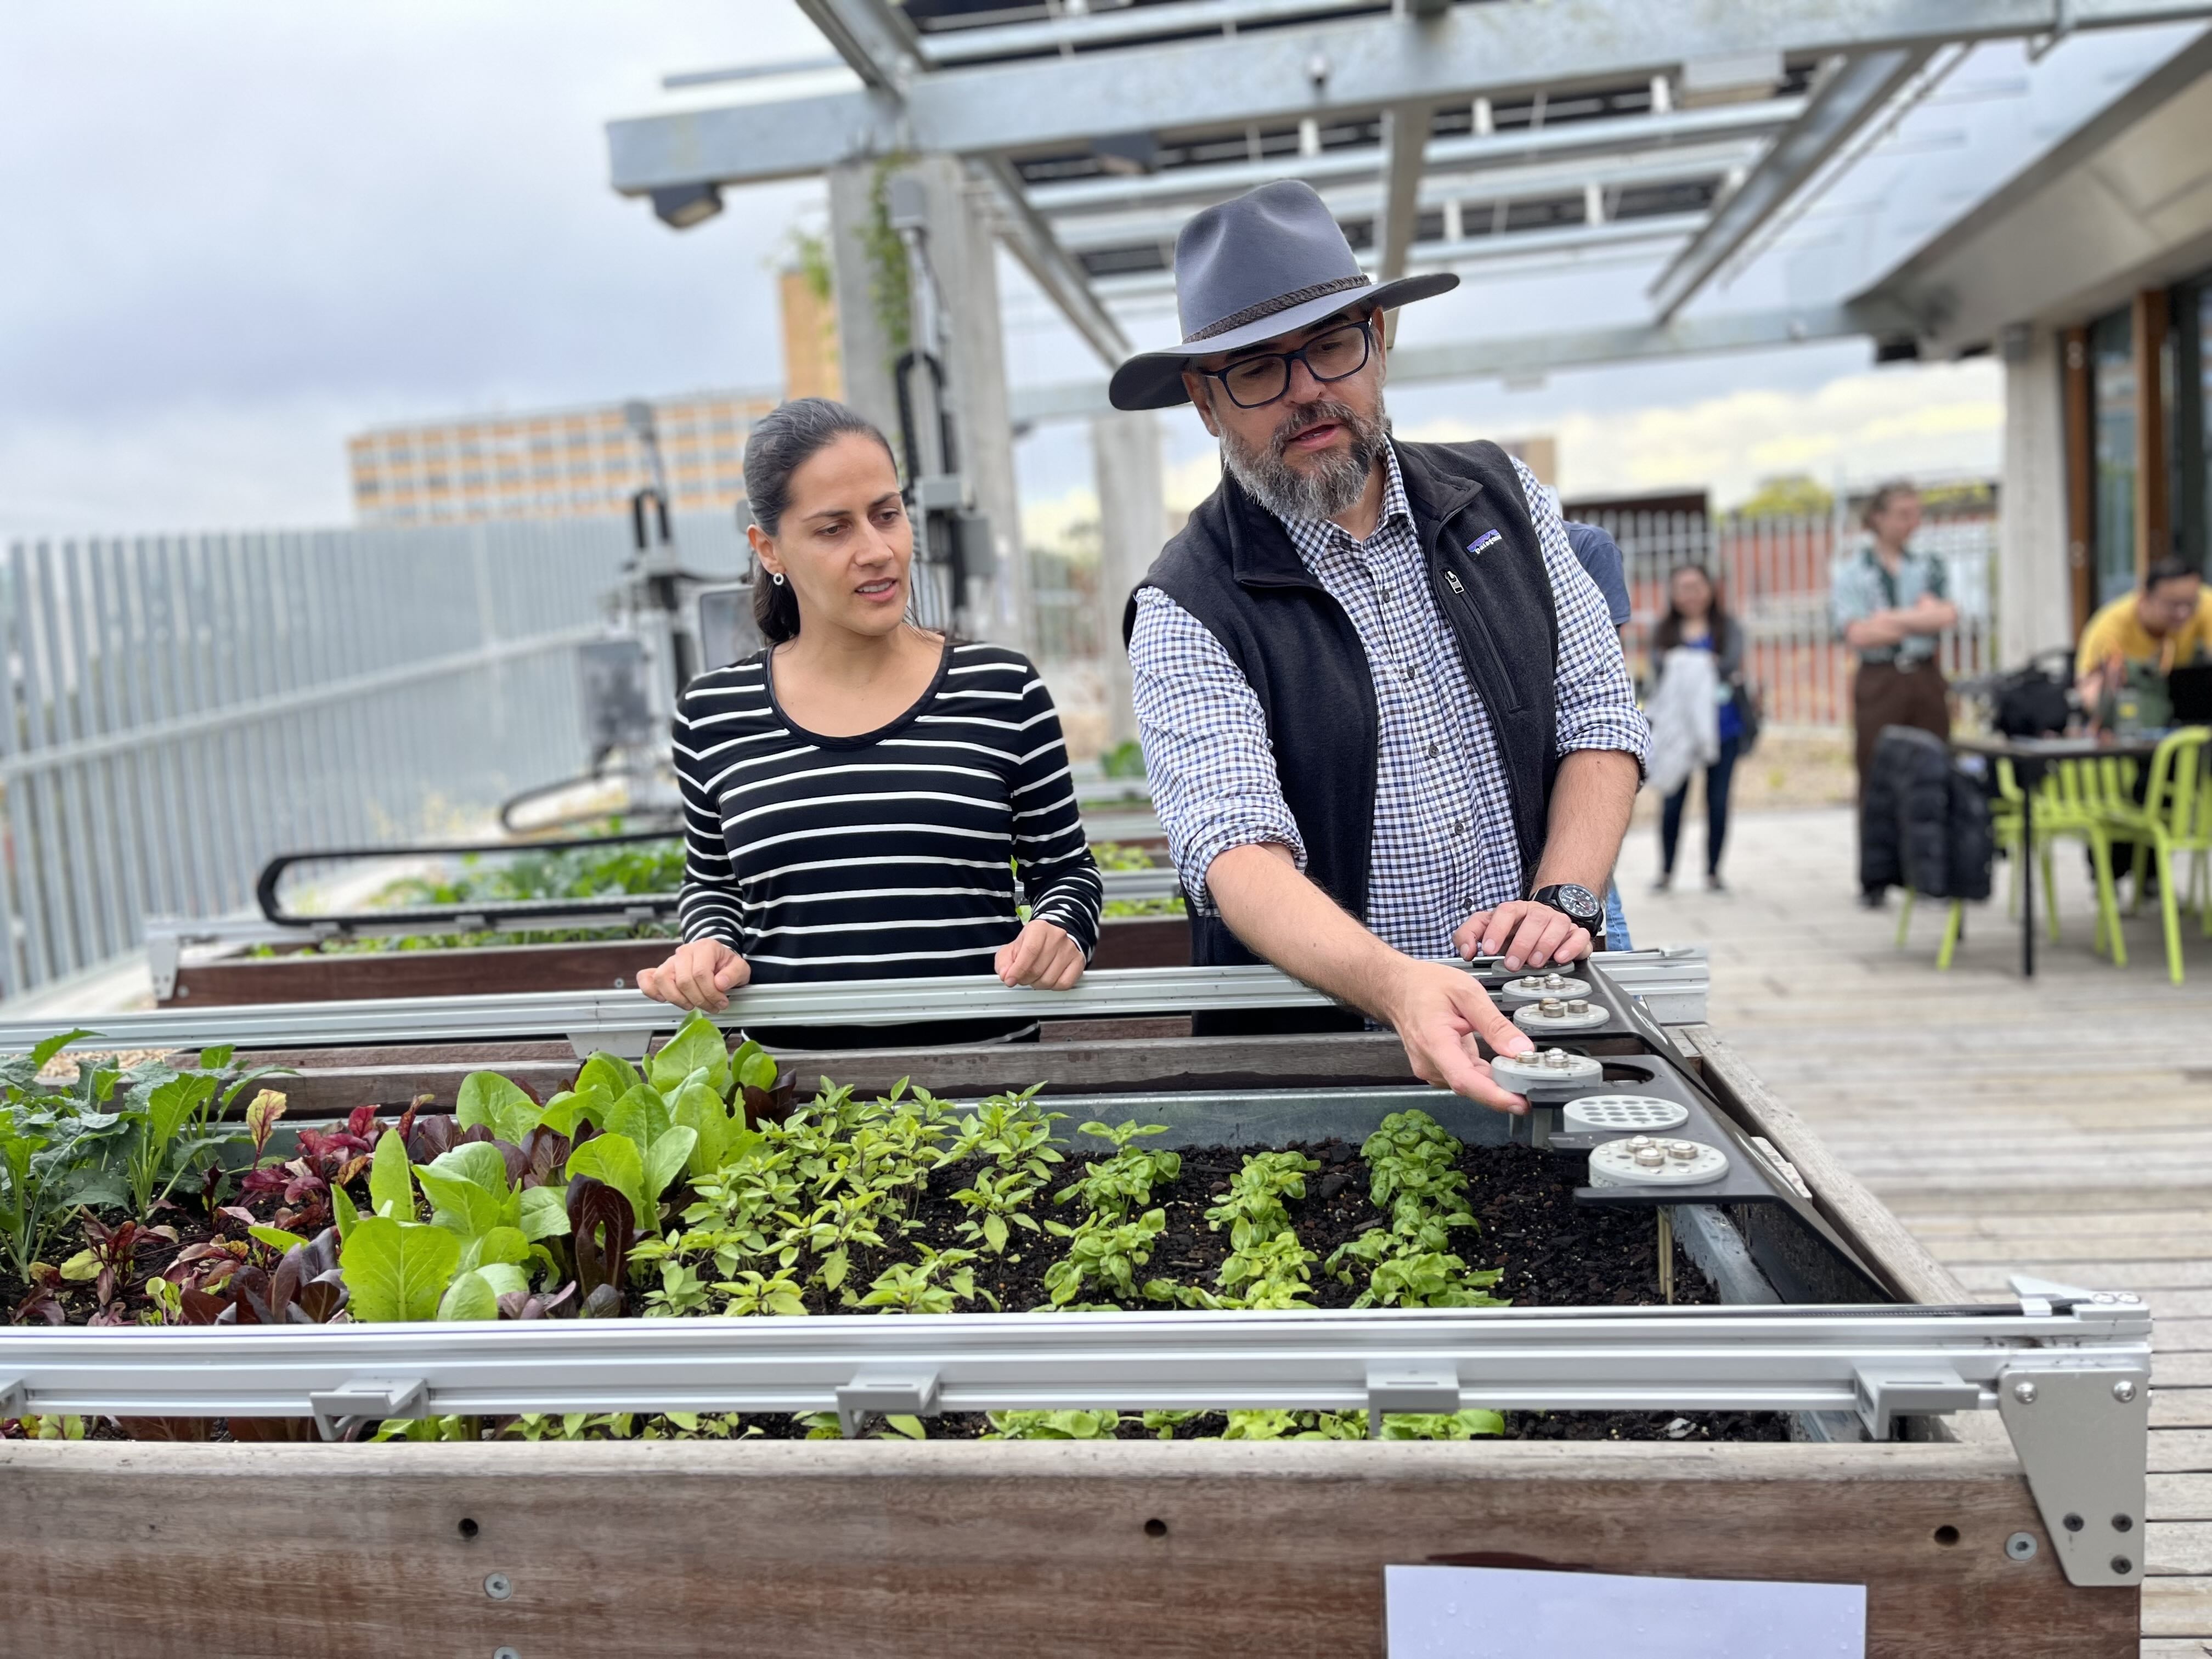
[1549,1252]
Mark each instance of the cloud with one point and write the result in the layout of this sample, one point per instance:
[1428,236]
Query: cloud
[1935,420]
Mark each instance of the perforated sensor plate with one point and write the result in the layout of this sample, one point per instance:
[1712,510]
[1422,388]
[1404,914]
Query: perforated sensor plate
[1635,1115]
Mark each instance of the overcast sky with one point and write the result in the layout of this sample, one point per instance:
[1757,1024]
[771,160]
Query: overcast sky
[239,230]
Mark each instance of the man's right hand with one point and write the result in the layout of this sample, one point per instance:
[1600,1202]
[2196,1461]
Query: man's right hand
[699,975]
[1437,1010]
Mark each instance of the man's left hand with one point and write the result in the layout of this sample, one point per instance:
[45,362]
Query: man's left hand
[1529,935]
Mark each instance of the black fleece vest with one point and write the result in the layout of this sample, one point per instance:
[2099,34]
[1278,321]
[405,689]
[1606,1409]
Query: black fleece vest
[1232,566]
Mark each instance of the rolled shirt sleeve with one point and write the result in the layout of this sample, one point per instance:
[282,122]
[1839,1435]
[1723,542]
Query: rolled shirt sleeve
[1207,749]
[1595,700]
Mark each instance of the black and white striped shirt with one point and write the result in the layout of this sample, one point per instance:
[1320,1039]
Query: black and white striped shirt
[889,855]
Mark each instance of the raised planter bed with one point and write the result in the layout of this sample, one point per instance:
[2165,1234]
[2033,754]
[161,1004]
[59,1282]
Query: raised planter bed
[1082,1547]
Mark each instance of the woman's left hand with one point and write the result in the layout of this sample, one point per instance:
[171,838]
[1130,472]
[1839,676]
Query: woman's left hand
[1041,955]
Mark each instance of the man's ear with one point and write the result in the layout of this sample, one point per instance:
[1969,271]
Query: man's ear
[1195,388]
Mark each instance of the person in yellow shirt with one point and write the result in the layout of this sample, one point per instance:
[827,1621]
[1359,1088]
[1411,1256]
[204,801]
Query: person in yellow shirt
[2167,624]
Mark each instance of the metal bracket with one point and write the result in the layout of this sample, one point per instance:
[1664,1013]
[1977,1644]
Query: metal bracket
[164,954]
[2082,1435]
[912,1392]
[1415,1387]
[14,1397]
[629,1042]
[1886,1393]
[365,1398]
[1781,1166]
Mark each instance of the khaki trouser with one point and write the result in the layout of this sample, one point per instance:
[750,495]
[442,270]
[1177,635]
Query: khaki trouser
[1883,694]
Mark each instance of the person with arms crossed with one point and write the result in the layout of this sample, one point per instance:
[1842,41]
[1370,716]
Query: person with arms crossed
[1383,710]
[1891,606]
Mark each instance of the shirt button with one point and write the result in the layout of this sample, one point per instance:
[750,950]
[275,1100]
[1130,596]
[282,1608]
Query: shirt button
[1459,829]
[1432,751]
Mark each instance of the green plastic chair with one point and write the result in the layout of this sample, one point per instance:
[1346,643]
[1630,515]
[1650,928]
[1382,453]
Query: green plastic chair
[2070,804]
[2175,817]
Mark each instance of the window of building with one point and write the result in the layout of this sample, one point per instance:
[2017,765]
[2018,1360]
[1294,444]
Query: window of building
[2190,431]
[2112,382]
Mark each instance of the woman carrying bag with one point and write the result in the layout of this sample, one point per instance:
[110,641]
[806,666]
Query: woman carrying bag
[1696,622]
[859,794]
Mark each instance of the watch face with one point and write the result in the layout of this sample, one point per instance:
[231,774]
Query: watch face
[1577,902]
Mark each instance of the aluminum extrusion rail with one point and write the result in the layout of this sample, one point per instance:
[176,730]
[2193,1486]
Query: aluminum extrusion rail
[2069,1370]
[625,1021]
[176,934]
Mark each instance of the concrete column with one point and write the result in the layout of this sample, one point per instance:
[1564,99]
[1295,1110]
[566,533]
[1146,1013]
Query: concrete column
[864,349]
[2034,597]
[1133,523]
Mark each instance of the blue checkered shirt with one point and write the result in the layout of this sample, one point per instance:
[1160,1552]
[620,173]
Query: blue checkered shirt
[1443,843]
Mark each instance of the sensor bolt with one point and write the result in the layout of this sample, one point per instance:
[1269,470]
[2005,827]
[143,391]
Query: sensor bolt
[2020,1546]
[498,1587]
[2125,1390]
[2025,1393]
[1650,1157]
[1552,982]
[1551,1007]
[1557,1059]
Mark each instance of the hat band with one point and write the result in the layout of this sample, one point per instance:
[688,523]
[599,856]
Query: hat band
[1269,308]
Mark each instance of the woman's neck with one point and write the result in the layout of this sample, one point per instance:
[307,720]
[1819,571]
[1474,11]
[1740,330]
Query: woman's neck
[859,660]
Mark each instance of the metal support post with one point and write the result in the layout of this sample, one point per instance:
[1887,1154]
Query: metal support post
[1131,526]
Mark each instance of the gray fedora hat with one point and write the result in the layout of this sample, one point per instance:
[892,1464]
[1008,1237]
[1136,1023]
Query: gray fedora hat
[1268,263]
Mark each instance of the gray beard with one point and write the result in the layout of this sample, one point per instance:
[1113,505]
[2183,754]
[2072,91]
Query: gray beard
[1314,494]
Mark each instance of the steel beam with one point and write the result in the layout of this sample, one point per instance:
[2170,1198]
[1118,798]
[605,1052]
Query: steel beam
[874,36]
[1328,69]
[1488,175]
[1404,148]
[1032,240]
[1094,31]
[1850,97]
[1516,355]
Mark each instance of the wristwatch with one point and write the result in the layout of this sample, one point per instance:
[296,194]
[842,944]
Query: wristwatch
[1578,905]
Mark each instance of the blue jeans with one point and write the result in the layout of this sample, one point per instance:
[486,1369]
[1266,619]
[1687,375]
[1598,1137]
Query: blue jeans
[1616,923]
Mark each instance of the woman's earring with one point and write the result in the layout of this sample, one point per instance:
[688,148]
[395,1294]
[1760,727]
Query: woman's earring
[776,576]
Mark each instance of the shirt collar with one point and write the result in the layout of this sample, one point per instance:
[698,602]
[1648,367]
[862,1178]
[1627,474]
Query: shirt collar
[1396,509]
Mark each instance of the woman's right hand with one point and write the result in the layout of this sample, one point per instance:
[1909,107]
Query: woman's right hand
[699,975]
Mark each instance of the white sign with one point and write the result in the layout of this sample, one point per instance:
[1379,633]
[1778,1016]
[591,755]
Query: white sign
[1507,1613]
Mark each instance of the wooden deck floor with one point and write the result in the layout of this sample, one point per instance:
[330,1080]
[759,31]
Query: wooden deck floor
[2062,1127]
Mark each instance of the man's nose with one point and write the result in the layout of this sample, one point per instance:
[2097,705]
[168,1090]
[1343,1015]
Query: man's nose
[1305,385]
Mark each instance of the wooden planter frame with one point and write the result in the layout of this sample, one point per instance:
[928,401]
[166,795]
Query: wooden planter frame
[952,1549]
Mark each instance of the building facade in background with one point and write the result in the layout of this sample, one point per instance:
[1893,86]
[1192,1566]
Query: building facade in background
[558,464]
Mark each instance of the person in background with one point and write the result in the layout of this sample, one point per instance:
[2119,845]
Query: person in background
[2167,622]
[1599,555]
[1696,618]
[859,794]
[1891,606]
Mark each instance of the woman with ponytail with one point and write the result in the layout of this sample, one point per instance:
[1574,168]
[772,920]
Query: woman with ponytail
[860,794]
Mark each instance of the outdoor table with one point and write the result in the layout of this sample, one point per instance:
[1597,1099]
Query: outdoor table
[2037,752]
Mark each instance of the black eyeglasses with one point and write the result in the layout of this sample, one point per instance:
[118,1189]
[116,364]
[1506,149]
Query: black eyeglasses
[1253,381]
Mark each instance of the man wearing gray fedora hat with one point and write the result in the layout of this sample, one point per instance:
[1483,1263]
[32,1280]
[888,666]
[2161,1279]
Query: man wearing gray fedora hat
[1384,709]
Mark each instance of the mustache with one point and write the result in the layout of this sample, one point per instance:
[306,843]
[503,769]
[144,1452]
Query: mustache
[1308,416]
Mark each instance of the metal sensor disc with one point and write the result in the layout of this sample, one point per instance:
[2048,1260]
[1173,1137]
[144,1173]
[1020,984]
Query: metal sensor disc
[1534,987]
[1622,1115]
[1655,1161]
[1524,1072]
[1561,1014]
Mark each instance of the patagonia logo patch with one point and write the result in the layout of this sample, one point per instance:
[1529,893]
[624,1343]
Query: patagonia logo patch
[1488,539]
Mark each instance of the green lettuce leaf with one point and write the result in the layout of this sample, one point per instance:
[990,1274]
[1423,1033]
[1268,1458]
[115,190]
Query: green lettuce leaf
[698,1043]
[500,1105]
[390,1178]
[471,1296]
[397,1270]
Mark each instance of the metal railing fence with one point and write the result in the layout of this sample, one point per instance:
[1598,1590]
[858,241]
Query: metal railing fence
[173,709]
